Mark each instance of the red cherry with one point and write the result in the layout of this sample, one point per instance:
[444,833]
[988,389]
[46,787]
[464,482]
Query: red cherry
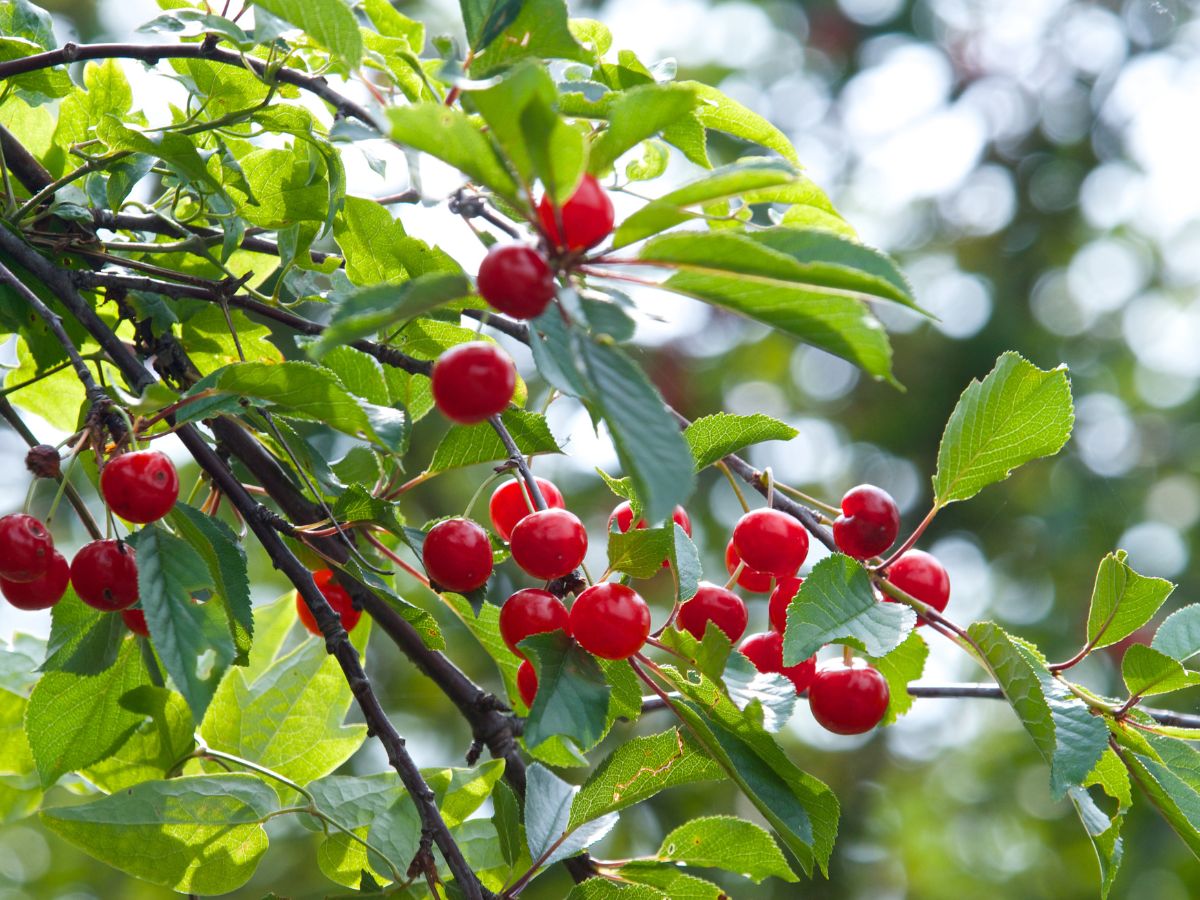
[622,515]
[713,603]
[527,682]
[135,621]
[511,503]
[868,524]
[472,382]
[517,280]
[140,487]
[26,548]
[531,611]
[765,651]
[105,575]
[549,543]
[610,620]
[43,592]
[783,595]
[771,541]
[336,596]
[750,579]
[587,217]
[848,699]
[457,555]
[920,574]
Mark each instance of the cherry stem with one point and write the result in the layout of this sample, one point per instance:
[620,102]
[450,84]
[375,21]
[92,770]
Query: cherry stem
[661,646]
[1076,659]
[741,567]
[847,655]
[479,492]
[770,479]
[737,489]
[394,557]
[809,499]
[911,540]
[65,479]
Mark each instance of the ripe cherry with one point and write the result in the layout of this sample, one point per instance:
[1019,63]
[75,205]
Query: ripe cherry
[610,620]
[457,555]
[765,651]
[713,603]
[531,611]
[336,596]
[868,524]
[527,682]
[472,382]
[511,503]
[26,548]
[750,579]
[105,575]
[549,543]
[141,486]
[587,217]
[622,515]
[777,607]
[135,621]
[517,280]
[848,699]
[43,592]
[771,541]
[920,574]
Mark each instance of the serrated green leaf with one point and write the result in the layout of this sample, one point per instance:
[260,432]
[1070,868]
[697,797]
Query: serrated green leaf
[635,115]
[729,843]
[902,665]
[714,437]
[599,889]
[329,22]
[707,655]
[453,138]
[1016,414]
[1177,801]
[685,565]
[538,30]
[356,803]
[469,445]
[154,748]
[506,816]
[1179,634]
[640,552]
[773,695]
[548,802]
[573,694]
[83,640]
[674,883]
[719,112]
[1122,601]
[200,834]
[837,604]
[1147,671]
[486,19]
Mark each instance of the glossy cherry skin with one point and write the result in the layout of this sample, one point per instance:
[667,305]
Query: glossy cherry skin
[622,516]
[527,682]
[511,503]
[531,611]
[920,574]
[140,487]
[777,607]
[750,579]
[771,541]
[105,576]
[26,548]
[43,592]
[712,603]
[869,522]
[516,280]
[587,217]
[610,620]
[135,621]
[549,543]
[848,699]
[457,555]
[336,596]
[472,382]
[765,651]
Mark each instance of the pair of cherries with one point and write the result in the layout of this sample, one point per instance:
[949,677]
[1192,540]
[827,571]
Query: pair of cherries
[140,487]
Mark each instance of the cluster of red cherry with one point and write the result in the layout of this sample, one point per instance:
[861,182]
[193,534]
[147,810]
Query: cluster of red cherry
[139,487]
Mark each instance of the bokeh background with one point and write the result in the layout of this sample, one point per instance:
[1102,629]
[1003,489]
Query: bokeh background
[1033,164]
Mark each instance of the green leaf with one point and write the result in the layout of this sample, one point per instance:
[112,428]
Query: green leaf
[649,444]
[640,552]
[802,810]
[486,19]
[1147,671]
[742,273]
[73,720]
[572,696]
[154,748]
[837,604]
[1122,601]
[902,665]
[357,803]
[284,189]
[485,627]
[1176,800]
[548,802]
[329,22]
[368,310]
[635,115]
[285,711]
[714,437]
[599,889]
[192,639]
[729,843]
[774,694]
[638,769]
[196,834]
[1179,634]
[685,565]
[671,880]
[539,30]
[455,139]
[1017,413]
[506,816]
[468,445]
[719,112]
[1105,834]
[1071,739]
[83,640]
[23,19]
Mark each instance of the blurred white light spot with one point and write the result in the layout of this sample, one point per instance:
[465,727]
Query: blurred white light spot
[822,375]
[910,82]
[1155,548]
[970,577]
[1163,390]
[871,12]
[984,203]
[815,456]
[1105,273]
[751,397]
[1174,501]
[1109,194]
[1163,333]
[1105,435]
